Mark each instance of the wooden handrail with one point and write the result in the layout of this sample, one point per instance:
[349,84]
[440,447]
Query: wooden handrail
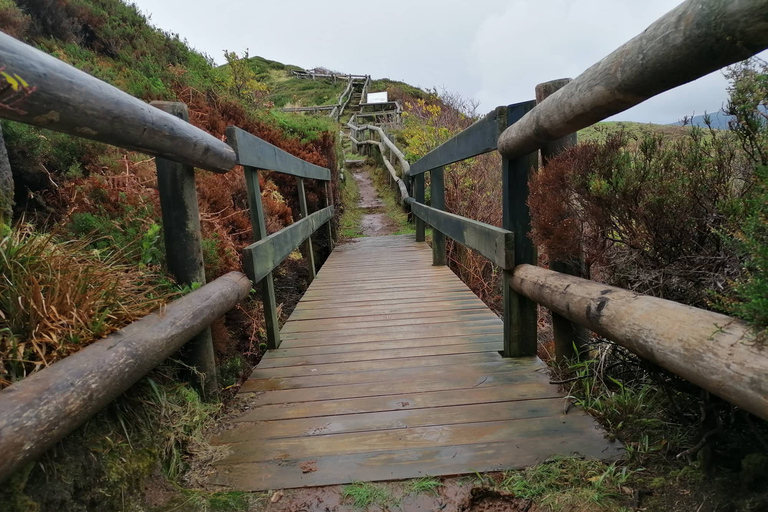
[492,242]
[264,256]
[41,409]
[255,152]
[52,94]
[479,138]
[692,40]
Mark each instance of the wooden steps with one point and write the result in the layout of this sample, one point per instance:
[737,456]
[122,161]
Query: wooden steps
[390,369]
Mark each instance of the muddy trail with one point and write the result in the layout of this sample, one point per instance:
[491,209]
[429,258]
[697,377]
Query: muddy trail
[375,221]
[455,494]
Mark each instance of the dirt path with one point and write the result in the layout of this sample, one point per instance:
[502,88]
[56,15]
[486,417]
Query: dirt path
[375,221]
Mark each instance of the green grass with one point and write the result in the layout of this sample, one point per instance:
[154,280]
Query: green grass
[364,494]
[195,500]
[351,219]
[426,485]
[568,484]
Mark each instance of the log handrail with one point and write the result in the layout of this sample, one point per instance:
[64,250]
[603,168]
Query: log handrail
[41,409]
[54,95]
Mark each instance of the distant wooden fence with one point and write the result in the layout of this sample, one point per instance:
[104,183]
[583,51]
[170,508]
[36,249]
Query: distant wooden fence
[714,351]
[337,110]
[40,410]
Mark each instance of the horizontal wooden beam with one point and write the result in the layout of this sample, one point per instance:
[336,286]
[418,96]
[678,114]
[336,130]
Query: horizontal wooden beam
[255,152]
[262,257]
[494,243]
[479,138]
[692,40]
[40,410]
[41,90]
[717,352]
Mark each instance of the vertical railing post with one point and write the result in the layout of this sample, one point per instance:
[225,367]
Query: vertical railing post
[184,248]
[329,202]
[266,285]
[437,196]
[309,253]
[418,196]
[569,337]
[520,313]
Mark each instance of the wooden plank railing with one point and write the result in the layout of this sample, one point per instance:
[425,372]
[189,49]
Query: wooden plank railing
[41,409]
[715,351]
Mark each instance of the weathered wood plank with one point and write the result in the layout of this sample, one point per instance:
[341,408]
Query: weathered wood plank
[479,138]
[307,249]
[413,463]
[390,420]
[263,256]
[254,152]
[57,96]
[494,243]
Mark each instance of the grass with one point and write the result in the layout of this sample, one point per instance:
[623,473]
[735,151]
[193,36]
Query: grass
[350,221]
[365,494]
[203,501]
[565,484]
[426,485]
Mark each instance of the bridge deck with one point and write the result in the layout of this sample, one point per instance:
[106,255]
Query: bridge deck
[390,369]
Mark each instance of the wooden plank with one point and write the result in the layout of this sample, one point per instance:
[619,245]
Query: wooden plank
[60,97]
[381,333]
[420,339]
[261,381]
[376,311]
[412,463]
[390,420]
[494,243]
[446,297]
[255,152]
[477,139]
[405,439]
[418,198]
[263,256]
[335,324]
[475,374]
[418,400]
[358,297]
[381,364]
[692,40]
[466,348]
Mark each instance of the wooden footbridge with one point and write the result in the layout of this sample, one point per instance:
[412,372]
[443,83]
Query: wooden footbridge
[381,378]
[389,367]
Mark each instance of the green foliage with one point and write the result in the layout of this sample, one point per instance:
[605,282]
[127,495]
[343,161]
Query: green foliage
[307,128]
[426,485]
[365,494]
[352,216]
[241,79]
[751,242]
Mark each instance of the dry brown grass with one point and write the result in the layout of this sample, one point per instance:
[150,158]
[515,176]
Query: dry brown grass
[57,297]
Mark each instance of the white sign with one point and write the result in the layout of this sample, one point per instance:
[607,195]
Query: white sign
[377,97]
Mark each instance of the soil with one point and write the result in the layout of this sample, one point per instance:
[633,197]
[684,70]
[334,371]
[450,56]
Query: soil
[375,221]
[457,494]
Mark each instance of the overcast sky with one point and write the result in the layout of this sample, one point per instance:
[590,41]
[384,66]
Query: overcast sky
[494,51]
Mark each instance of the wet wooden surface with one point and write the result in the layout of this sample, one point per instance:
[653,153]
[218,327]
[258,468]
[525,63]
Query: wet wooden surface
[390,369]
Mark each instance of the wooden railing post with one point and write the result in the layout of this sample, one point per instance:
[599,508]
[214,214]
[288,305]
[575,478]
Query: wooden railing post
[569,337]
[307,249]
[184,249]
[329,202]
[437,194]
[266,285]
[418,196]
[520,313]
